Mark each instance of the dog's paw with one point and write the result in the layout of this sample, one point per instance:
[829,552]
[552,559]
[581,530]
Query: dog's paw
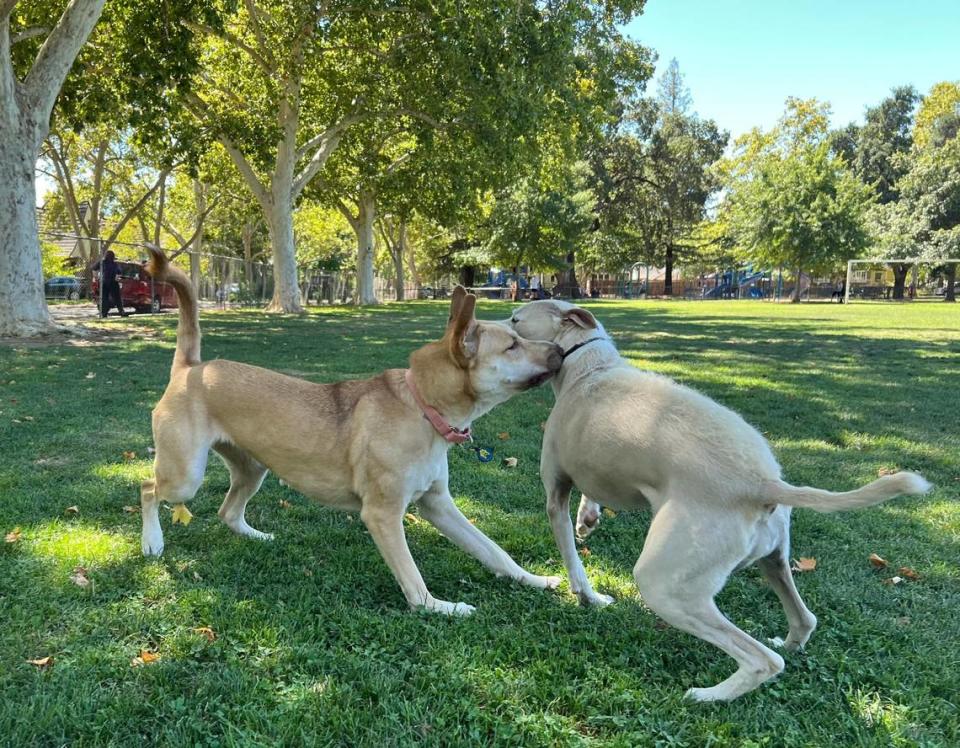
[151,546]
[596,599]
[704,695]
[542,583]
[449,609]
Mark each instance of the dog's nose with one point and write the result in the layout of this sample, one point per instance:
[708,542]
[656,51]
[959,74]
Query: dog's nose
[555,358]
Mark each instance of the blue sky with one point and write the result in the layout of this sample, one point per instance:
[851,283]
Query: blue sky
[743,58]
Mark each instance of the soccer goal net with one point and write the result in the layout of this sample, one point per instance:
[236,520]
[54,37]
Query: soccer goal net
[904,279]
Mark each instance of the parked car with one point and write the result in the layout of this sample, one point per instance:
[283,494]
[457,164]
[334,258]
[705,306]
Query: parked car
[63,287]
[139,290]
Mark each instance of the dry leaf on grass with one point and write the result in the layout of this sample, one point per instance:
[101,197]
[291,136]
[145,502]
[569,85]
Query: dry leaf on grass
[609,513]
[129,456]
[892,581]
[584,551]
[207,632]
[805,564]
[41,662]
[145,658]
[510,462]
[503,436]
[13,536]
[27,418]
[284,504]
[413,519]
[877,562]
[79,577]
[72,510]
[907,573]
[181,515]
[131,509]
[886,471]
[90,375]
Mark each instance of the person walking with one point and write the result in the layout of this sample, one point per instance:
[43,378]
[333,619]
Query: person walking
[110,285]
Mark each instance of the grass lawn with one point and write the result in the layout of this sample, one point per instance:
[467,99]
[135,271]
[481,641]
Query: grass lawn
[314,643]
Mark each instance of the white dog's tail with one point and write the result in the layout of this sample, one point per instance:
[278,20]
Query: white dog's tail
[827,501]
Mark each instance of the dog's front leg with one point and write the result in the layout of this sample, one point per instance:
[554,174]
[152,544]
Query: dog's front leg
[558,510]
[384,520]
[439,510]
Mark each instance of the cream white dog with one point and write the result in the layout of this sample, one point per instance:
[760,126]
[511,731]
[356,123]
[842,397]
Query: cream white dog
[375,446]
[631,439]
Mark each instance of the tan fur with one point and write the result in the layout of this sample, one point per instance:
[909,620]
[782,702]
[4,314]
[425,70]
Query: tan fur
[632,439]
[356,445]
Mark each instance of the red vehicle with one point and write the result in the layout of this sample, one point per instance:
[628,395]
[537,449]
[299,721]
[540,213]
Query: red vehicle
[139,290]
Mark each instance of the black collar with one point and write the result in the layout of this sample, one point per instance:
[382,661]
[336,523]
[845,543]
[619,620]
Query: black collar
[578,346]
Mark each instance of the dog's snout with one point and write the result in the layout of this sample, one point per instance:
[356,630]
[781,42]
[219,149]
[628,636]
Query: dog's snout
[555,358]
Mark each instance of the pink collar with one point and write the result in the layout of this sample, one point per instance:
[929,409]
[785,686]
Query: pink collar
[451,433]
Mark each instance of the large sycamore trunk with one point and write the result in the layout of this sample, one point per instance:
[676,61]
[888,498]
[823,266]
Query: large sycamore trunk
[23,310]
[900,270]
[951,275]
[365,247]
[286,290]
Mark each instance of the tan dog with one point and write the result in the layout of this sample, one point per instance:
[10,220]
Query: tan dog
[632,439]
[357,445]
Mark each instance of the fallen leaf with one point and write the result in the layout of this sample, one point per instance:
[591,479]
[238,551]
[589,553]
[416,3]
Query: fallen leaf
[207,632]
[908,573]
[145,658]
[13,536]
[510,462]
[41,662]
[27,418]
[15,420]
[131,509]
[609,513]
[284,504]
[181,515]
[878,563]
[886,471]
[805,564]
[892,581]
[307,572]
[411,518]
[129,455]
[197,577]
[72,510]
[90,375]
[503,436]
[584,551]
[79,577]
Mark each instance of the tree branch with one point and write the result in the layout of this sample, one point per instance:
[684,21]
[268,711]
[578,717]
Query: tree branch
[236,42]
[199,108]
[184,245]
[55,58]
[135,209]
[254,13]
[354,221]
[8,81]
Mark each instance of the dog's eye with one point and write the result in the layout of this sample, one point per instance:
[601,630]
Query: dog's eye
[514,321]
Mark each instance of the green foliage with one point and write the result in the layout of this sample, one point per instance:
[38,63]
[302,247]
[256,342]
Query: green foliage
[791,201]
[938,116]
[52,260]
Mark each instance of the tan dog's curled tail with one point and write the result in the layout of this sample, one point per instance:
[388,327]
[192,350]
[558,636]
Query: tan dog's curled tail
[188,329]
[874,492]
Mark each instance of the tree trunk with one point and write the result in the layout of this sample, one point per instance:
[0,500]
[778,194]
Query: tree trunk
[795,297]
[567,284]
[900,270]
[286,290]
[200,206]
[668,272]
[365,247]
[411,253]
[398,257]
[247,236]
[950,271]
[23,311]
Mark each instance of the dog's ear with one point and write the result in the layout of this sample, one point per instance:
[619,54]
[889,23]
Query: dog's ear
[463,330]
[456,301]
[581,318]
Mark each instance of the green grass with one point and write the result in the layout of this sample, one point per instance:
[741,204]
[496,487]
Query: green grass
[314,642]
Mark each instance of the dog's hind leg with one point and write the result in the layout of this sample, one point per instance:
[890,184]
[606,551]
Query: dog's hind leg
[246,477]
[177,474]
[679,573]
[776,570]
